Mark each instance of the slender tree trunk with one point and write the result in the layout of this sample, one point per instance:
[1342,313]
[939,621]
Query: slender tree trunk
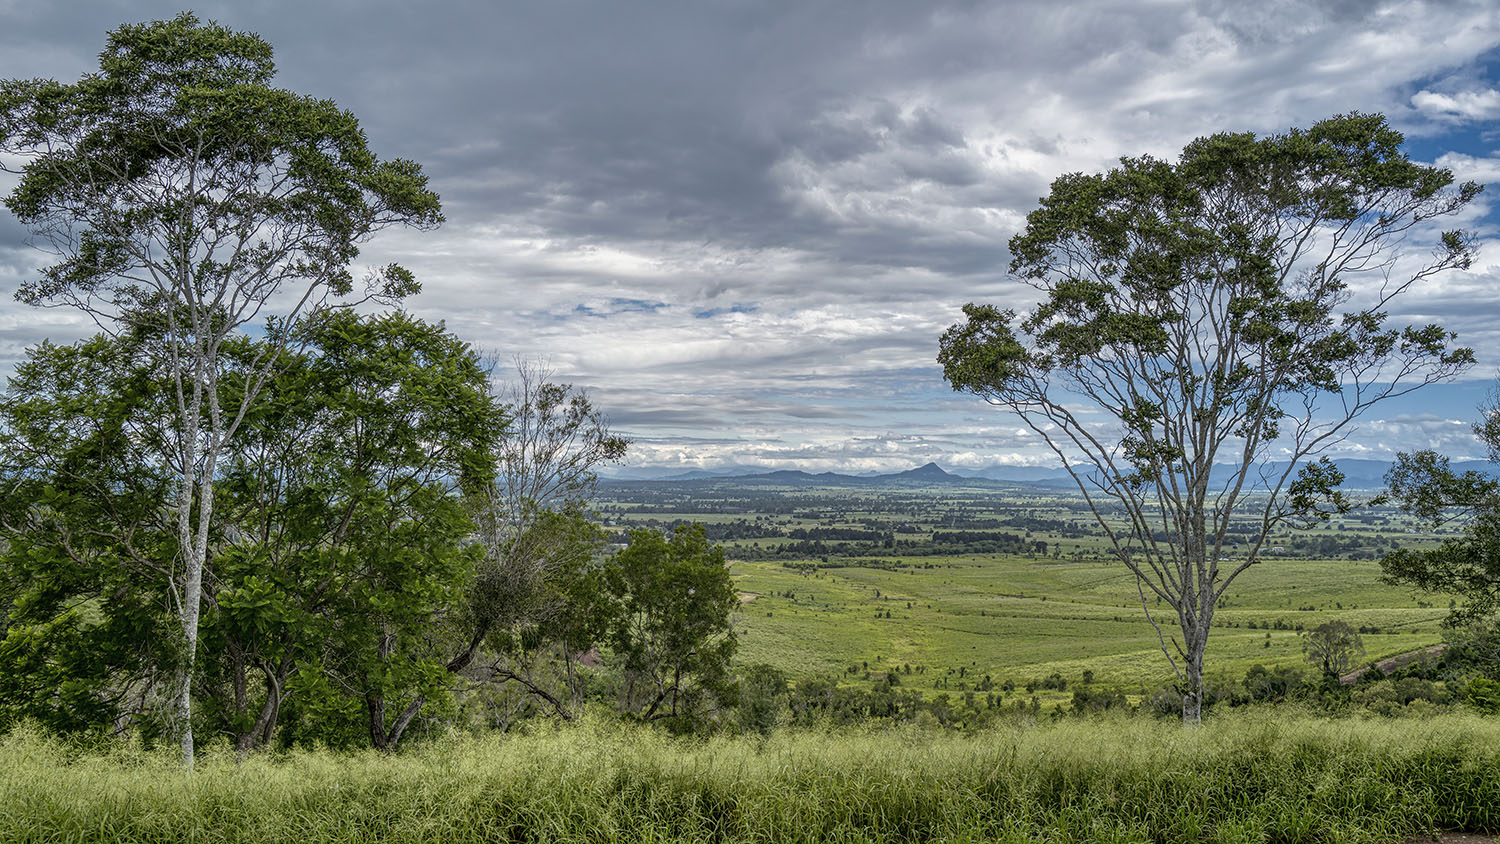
[259,734]
[189,617]
[270,728]
[375,708]
[387,739]
[196,554]
[1197,611]
[381,737]
[187,614]
[253,737]
[237,671]
[192,539]
[1192,696]
[403,721]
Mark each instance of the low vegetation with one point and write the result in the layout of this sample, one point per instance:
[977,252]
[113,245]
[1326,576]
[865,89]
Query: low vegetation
[1266,777]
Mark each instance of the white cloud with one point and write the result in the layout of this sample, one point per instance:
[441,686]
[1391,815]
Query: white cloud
[1464,105]
[1470,168]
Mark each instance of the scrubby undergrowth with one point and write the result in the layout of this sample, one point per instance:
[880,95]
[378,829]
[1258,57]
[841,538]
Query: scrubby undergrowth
[1241,777]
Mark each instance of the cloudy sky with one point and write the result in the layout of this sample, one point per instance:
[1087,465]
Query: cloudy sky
[743,225]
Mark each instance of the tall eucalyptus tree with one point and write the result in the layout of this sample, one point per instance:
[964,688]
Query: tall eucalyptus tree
[177,188]
[1207,330]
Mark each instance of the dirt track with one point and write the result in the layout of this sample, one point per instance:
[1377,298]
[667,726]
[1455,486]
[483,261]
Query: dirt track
[1390,664]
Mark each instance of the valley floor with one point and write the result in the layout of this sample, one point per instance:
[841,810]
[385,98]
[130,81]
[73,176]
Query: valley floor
[948,623]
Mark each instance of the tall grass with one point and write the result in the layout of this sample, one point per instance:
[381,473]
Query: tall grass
[1261,777]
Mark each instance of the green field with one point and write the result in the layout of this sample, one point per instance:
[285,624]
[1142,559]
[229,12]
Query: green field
[862,608]
[1019,619]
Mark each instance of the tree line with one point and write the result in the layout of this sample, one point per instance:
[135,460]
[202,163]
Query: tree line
[387,529]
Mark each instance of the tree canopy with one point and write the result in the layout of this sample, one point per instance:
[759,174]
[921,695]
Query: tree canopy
[671,625]
[182,192]
[1468,565]
[1207,329]
[340,547]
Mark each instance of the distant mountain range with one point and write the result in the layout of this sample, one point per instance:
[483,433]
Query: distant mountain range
[928,474]
[1358,474]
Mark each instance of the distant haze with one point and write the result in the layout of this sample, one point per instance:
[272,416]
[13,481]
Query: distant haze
[1358,474]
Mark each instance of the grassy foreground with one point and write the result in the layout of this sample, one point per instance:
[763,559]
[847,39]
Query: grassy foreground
[1261,777]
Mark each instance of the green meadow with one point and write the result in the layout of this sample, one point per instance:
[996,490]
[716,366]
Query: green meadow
[1022,618]
[860,610]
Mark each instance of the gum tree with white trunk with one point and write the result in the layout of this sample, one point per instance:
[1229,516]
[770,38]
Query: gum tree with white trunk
[1206,331]
[177,189]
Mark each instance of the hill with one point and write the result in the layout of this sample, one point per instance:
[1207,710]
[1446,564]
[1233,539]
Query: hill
[929,474]
[1358,474]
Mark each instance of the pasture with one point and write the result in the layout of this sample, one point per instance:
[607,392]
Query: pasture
[958,620]
[878,594]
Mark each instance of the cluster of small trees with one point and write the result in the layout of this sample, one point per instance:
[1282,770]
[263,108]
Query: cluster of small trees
[248,506]
[768,698]
[368,554]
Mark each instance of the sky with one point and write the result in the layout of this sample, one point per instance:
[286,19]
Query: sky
[742,226]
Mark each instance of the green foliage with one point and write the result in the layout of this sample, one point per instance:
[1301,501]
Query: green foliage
[763,692]
[671,630]
[538,602]
[347,501]
[1395,696]
[1272,685]
[185,199]
[1469,565]
[541,617]
[1091,700]
[1333,647]
[342,537]
[1203,308]
[1483,694]
[86,544]
[156,165]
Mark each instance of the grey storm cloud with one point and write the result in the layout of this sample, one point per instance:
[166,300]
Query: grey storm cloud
[743,225]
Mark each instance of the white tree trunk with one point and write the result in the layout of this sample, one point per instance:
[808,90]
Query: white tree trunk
[1192,696]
